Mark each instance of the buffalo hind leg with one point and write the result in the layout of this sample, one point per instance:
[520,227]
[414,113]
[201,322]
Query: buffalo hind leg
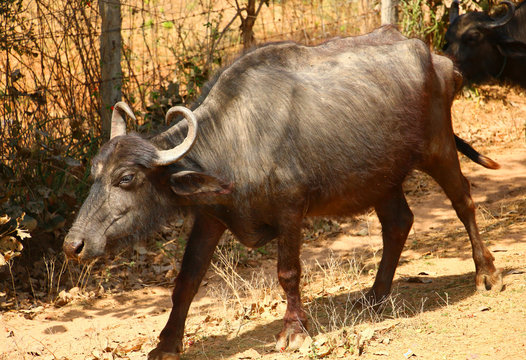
[289,274]
[396,219]
[449,176]
[197,256]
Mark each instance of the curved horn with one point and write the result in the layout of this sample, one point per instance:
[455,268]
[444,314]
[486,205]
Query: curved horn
[118,124]
[504,19]
[453,11]
[167,157]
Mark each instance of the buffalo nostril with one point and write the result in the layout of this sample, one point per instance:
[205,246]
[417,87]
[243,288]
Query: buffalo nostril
[73,247]
[79,248]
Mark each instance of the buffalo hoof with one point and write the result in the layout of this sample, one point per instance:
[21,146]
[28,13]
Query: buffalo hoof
[486,281]
[290,339]
[158,354]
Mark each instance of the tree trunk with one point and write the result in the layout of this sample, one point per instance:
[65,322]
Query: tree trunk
[389,12]
[247,25]
[110,60]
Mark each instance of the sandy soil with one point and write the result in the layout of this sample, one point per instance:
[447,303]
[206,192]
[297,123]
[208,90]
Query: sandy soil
[435,312]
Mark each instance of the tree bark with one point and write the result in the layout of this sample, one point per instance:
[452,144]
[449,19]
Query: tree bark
[389,12]
[247,25]
[110,60]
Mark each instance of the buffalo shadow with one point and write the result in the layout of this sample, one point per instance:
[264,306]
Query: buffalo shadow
[441,292]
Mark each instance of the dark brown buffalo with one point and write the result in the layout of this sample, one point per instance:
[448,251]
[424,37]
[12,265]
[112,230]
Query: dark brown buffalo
[485,48]
[287,131]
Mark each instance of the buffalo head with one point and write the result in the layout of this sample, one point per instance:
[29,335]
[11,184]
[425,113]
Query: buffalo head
[127,197]
[481,44]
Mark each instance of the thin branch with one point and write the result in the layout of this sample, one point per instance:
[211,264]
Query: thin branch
[225,29]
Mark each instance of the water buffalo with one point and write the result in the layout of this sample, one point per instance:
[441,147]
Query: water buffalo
[287,131]
[485,48]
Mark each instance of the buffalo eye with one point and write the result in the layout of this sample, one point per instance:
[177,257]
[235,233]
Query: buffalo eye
[126,180]
[472,37]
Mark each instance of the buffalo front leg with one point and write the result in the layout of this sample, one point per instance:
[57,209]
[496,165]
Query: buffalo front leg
[396,219]
[197,256]
[289,274]
[457,188]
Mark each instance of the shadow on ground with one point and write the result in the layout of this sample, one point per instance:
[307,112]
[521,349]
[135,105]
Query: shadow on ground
[408,300]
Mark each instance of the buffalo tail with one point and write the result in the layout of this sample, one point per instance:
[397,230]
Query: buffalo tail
[474,155]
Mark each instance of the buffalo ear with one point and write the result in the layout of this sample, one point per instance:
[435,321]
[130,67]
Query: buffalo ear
[187,183]
[511,47]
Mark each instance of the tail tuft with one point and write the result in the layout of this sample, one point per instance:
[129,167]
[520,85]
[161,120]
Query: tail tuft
[488,163]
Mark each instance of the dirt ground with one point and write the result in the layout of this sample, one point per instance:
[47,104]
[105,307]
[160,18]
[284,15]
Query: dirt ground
[434,313]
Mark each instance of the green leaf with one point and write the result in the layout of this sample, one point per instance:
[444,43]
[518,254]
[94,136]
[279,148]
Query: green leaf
[167,24]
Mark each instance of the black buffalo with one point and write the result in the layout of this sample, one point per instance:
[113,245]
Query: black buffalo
[485,48]
[287,131]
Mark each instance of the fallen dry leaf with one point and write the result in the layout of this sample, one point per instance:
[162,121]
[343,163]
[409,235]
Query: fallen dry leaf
[134,345]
